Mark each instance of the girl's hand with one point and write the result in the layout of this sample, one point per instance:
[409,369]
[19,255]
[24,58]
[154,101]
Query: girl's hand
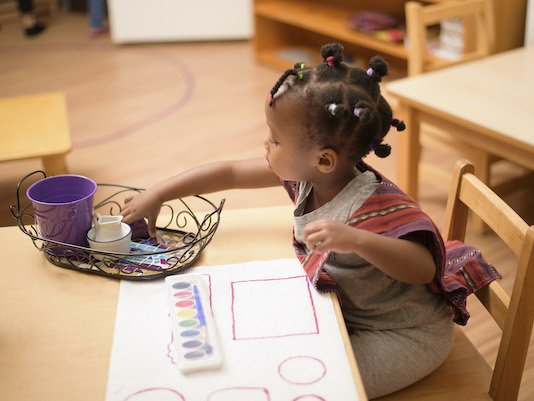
[324,236]
[145,204]
[400,259]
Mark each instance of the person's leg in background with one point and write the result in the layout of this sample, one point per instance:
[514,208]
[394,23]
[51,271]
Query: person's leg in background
[31,26]
[97,16]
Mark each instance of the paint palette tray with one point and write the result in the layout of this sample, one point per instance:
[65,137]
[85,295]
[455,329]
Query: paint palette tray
[195,339]
[184,228]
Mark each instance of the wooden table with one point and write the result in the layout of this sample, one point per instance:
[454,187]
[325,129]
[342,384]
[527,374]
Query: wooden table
[36,126]
[487,104]
[56,325]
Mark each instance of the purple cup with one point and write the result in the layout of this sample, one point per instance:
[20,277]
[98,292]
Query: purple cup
[63,207]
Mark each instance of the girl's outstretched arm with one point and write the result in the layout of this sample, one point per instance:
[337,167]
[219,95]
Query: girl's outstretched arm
[204,179]
[400,259]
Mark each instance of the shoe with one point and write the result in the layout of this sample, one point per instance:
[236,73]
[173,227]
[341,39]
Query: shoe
[94,32]
[34,30]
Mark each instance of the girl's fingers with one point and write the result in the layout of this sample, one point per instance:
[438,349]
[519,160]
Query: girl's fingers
[152,227]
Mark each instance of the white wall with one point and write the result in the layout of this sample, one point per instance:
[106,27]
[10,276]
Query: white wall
[179,20]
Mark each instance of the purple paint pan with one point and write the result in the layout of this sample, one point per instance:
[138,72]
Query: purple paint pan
[63,207]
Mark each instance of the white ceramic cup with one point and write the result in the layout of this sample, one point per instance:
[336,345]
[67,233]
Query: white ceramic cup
[109,234]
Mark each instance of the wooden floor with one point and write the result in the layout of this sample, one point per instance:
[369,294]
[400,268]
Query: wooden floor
[141,113]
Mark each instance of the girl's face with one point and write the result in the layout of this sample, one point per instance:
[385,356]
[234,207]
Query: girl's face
[290,153]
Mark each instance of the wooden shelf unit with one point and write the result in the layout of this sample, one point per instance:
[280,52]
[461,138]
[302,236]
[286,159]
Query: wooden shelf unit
[302,26]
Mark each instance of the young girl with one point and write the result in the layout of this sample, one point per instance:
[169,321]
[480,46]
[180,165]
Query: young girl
[354,231]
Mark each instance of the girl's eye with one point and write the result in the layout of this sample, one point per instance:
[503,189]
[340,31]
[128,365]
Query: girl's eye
[274,141]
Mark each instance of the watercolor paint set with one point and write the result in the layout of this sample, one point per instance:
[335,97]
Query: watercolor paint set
[196,343]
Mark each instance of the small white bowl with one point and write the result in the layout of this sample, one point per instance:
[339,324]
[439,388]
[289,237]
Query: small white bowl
[119,245]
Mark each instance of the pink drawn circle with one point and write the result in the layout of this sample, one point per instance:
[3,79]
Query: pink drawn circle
[309,397]
[170,394]
[240,393]
[302,369]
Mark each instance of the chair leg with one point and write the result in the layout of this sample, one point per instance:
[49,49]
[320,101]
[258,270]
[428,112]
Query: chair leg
[55,164]
[408,154]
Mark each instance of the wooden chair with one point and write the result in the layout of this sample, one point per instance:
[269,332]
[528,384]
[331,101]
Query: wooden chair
[466,375]
[478,36]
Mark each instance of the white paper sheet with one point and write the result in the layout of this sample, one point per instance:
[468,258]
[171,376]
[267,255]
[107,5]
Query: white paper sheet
[280,340]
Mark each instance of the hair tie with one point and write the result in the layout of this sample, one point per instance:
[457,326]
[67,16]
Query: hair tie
[330,61]
[373,146]
[332,108]
[298,68]
[358,111]
[370,71]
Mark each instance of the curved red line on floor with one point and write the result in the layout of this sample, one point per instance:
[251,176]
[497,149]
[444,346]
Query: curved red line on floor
[125,131]
[143,123]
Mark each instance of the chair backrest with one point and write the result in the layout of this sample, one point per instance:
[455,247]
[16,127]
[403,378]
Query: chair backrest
[478,21]
[513,313]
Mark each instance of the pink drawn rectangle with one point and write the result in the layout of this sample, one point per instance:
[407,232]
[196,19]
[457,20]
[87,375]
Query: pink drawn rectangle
[268,308]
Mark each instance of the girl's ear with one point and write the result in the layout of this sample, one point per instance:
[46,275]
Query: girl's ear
[328,160]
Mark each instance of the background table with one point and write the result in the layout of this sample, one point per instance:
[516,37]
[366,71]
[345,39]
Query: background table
[487,104]
[56,325]
[36,126]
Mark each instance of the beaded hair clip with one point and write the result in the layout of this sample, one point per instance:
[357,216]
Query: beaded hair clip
[331,108]
[330,61]
[298,70]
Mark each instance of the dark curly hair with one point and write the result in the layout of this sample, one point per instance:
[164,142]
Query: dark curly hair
[343,106]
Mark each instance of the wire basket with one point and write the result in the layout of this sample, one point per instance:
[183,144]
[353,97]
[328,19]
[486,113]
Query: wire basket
[182,235]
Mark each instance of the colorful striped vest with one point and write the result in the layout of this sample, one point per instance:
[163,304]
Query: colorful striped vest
[461,269]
